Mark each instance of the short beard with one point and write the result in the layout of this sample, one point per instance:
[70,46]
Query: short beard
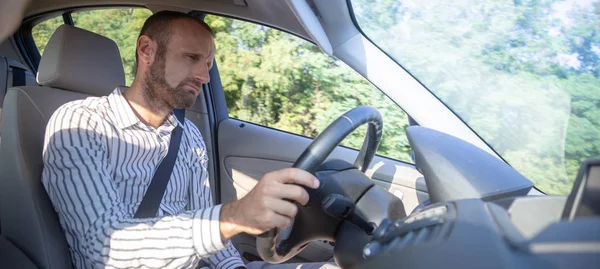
[159,94]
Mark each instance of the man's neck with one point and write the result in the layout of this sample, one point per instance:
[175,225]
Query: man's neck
[148,112]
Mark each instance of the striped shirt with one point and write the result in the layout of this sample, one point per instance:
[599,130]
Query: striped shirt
[99,159]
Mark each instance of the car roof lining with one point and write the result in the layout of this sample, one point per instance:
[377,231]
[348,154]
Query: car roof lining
[274,13]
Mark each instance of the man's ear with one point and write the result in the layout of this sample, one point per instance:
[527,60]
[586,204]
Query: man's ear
[146,50]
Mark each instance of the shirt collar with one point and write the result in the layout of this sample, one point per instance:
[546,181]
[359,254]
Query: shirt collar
[172,121]
[125,117]
[123,113]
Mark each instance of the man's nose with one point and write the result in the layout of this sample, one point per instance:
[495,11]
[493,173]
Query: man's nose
[201,75]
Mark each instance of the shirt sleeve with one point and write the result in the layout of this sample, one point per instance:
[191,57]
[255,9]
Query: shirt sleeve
[201,197]
[226,259]
[100,228]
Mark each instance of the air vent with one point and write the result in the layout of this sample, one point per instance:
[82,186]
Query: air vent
[423,227]
[419,236]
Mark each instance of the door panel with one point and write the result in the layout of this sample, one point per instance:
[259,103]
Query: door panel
[403,181]
[248,151]
[400,179]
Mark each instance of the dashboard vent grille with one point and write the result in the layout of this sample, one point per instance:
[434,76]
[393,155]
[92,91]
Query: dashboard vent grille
[423,227]
[418,236]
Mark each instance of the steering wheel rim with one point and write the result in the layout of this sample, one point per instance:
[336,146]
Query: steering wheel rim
[271,245]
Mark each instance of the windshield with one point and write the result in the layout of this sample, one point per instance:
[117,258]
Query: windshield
[523,74]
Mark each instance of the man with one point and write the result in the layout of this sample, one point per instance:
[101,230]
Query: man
[100,155]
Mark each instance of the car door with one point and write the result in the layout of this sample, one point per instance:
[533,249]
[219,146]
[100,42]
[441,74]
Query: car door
[272,93]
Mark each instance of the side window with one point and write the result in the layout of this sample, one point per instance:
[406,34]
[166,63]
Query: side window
[42,32]
[122,25]
[277,80]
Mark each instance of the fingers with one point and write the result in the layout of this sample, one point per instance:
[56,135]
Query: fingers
[280,221]
[297,176]
[272,201]
[291,192]
[283,208]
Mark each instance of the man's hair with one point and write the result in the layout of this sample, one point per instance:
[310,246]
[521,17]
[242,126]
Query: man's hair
[158,28]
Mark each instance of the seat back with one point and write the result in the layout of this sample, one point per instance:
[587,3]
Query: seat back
[13,74]
[76,64]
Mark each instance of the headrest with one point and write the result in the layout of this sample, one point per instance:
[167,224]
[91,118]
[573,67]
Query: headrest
[81,61]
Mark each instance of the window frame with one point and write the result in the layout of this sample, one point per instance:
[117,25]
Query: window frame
[26,45]
[24,38]
[223,111]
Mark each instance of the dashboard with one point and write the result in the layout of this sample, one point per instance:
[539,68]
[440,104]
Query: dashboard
[525,232]
[482,217]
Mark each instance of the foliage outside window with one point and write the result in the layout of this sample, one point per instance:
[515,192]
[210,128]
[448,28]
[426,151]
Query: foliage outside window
[525,75]
[42,32]
[278,80]
[122,25]
[270,77]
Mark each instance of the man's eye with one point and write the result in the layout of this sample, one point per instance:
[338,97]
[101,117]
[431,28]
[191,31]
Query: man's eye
[193,57]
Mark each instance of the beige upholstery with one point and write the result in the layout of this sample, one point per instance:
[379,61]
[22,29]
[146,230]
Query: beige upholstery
[8,67]
[81,64]
[28,218]
[81,61]
[198,115]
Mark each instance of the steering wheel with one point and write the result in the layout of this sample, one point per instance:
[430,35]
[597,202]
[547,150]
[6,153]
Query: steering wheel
[311,222]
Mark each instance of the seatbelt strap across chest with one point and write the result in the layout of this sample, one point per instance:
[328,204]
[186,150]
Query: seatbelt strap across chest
[156,190]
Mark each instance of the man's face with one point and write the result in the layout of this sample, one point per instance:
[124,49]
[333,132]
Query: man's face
[179,69]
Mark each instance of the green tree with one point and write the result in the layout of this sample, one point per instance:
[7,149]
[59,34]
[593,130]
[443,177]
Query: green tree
[43,31]
[523,74]
[278,80]
[122,25]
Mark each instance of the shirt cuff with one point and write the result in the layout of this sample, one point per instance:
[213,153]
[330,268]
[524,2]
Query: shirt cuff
[206,231]
[231,262]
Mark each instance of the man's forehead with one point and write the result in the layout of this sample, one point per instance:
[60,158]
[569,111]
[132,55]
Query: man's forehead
[190,34]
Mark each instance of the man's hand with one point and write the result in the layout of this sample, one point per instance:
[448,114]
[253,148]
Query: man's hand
[264,207]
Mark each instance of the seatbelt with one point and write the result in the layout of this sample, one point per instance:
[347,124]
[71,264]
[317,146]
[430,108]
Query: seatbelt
[18,76]
[158,185]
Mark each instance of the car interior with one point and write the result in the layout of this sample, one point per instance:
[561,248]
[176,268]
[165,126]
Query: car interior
[458,204]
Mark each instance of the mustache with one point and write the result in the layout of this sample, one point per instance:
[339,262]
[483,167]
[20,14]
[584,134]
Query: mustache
[190,81]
